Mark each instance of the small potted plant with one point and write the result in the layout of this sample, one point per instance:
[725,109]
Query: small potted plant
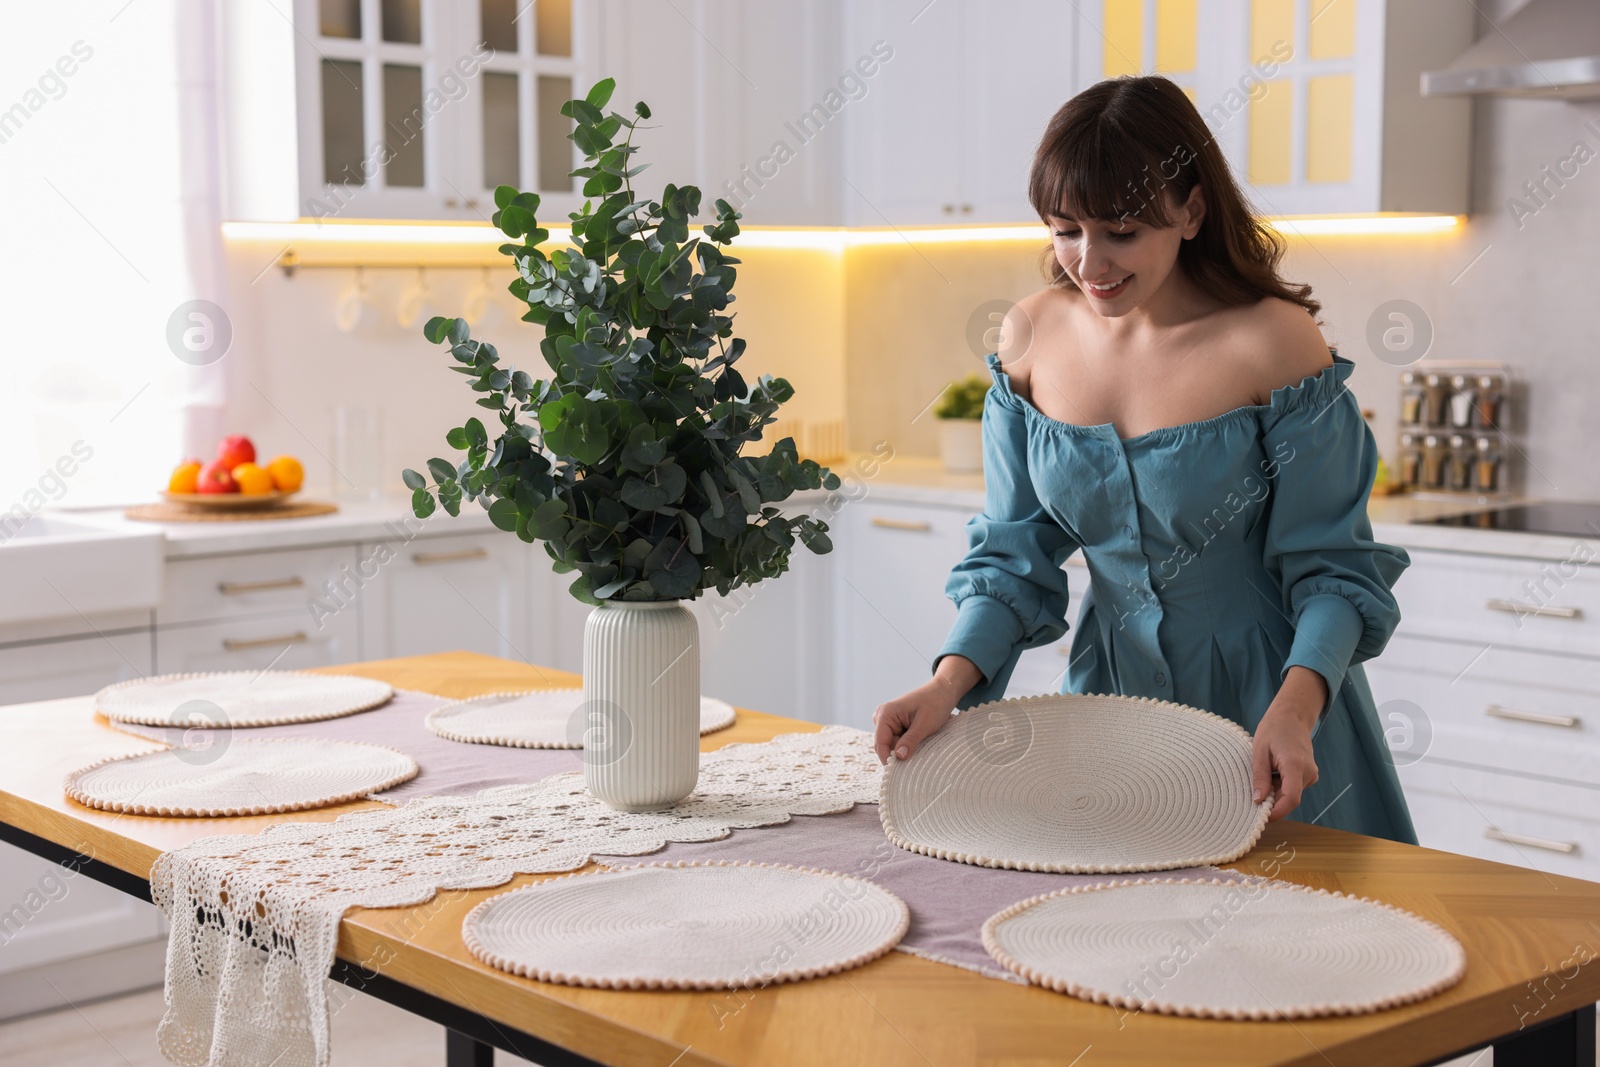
[634,461]
[960,414]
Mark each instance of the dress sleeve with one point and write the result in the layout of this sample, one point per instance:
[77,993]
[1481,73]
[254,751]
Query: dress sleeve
[1010,590]
[1334,578]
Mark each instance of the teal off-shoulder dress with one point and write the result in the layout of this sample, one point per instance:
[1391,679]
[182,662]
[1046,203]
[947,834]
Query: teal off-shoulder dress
[1220,553]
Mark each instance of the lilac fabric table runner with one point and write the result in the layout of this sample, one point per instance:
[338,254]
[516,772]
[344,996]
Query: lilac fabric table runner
[948,901]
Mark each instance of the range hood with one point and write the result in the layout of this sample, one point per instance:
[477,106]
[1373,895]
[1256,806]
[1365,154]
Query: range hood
[1547,49]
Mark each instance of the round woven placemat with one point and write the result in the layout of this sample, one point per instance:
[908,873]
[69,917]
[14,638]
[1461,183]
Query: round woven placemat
[712,924]
[1228,950]
[168,512]
[539,718]
[248,777]
[239,698]
[1079,784]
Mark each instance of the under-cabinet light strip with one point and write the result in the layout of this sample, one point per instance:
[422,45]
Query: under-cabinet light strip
[303,234]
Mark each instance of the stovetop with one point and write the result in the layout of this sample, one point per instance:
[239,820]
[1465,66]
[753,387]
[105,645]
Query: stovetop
[1557,519]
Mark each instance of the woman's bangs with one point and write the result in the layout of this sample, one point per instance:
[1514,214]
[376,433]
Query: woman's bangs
[1106,182]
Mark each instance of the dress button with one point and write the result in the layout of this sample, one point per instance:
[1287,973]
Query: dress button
[1128,530]
[1161,679]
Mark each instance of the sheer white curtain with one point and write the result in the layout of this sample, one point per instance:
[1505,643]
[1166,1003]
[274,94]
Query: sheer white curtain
[109,229]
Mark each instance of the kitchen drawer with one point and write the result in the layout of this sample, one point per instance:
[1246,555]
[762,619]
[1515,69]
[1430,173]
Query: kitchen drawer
[284,643]
[1505,818]
[893,614]
[254,583]
[1550,606]
[439,594]
[75,667]
[1496,707]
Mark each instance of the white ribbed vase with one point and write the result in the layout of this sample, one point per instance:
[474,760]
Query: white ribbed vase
[641,690]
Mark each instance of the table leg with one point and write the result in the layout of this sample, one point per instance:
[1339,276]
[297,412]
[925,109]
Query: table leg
[1565,1041]
[463,1051]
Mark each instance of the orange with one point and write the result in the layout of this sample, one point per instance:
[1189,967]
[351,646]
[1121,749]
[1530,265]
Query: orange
[287,474]
[185,478]
[252,480]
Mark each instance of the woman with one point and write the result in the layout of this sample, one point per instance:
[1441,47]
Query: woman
[1168,406]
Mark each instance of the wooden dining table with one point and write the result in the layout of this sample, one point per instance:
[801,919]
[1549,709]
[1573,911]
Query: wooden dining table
[1532,942]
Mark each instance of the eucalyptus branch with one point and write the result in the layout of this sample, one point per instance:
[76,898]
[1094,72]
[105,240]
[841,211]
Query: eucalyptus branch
[606,472]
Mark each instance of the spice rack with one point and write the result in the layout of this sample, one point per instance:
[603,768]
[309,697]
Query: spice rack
[1454,439]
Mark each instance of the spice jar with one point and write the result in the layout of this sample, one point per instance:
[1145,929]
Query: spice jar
[1410,461]
[1487,470]
[1410,398]
[1490,399]
[1435,457]
[1461,401]
[1459,475]
[1435,390]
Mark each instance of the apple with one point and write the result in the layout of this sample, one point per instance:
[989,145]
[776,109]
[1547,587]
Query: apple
[215,477]
[235,450]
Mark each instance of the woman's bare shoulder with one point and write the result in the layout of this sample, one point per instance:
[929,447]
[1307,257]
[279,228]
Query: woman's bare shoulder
[1279,344]
[1033,324]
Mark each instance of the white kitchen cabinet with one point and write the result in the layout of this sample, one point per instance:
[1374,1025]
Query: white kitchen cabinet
[892,612]
[948,129]
[1488,705]
[1542,605]
[770,646]
[72,666]
[1316,105]
[283,642]
[56,914]
[287,582]
[53,914]
[439,594]
[1493,712]
[1548,826]
[748,101]
[417,109]
[1043,670]
[285,609]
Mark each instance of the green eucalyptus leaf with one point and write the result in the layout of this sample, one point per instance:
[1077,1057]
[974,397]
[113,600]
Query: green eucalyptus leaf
[412,479]
[422,503]
[503,513]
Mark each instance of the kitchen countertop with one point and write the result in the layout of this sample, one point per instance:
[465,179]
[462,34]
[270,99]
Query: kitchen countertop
[913,480]
[364,520]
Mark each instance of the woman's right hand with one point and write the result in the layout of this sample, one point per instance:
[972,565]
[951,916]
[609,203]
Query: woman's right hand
[905,722]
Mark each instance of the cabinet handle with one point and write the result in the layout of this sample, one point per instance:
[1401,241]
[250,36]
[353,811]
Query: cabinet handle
[1496,834]
[1531,716]
[1514,608]
[426,559]
[237,588]
[966,209]
[949,209]
[915,526]
[297,638]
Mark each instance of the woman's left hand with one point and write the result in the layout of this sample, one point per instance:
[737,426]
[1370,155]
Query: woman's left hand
[1283,740]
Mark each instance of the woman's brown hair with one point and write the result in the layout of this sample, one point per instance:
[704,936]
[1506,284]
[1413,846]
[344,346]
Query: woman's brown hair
[1120,149]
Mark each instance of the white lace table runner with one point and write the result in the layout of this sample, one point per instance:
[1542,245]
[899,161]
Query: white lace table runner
[255,918]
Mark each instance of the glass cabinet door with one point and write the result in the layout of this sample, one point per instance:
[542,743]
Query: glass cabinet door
[517,135]
[420,108]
